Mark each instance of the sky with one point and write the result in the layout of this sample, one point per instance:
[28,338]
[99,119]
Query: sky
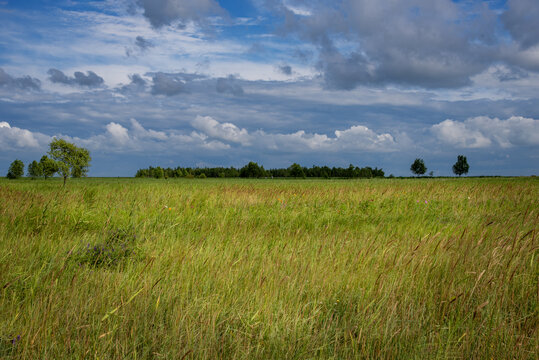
[321,82]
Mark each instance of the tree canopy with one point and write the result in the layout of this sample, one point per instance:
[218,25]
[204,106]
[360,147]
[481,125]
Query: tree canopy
[418,167]
[461,166]
[49,166]
[71,159]
[252,170]
[35,169]
[16,169]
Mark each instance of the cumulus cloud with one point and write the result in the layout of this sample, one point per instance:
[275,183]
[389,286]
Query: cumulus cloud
[285,69]
[520,19]
[23,83]
[167,12]
[118,133]
[16,138]
[142,43]
[141,46]
[172,84]
[90,79]
[229,85]
[427,43]
[504,73]
[483,131]
[364,138]
[136,84]
[137,80]
[139,132]
[224,131]
[354,138]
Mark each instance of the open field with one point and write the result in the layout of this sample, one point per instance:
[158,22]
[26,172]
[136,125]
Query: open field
[269,269]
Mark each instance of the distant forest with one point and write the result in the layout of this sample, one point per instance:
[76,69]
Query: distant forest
[253,170]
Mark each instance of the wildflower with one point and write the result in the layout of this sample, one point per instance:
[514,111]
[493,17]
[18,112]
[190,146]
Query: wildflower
[169,208]
[426,202]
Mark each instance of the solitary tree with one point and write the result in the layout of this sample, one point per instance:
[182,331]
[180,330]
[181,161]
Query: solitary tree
[71,160]
[16,169]
[418,167]
[48,166]
[35,169]
[461,166]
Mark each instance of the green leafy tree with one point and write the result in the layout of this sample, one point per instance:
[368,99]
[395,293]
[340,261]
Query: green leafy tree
[366,172]
[252,170]
[159,173]
[296,171]
[48,166]
[35,169]
[71,159]
[418,167]
[461,166]
[16,170]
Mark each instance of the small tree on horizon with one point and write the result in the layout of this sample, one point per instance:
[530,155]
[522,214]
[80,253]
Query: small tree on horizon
[71,159]
[461,166]
[418,167]
[35,169]
[16,169]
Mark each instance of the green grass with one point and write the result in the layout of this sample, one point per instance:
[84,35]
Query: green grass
[268,269]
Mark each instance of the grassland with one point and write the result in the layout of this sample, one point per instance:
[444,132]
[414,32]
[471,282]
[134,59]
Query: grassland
[269,269]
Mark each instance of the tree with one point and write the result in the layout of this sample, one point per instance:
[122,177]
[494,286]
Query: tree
[48,166]
[252,170]
[366,172]
[35,169]
[296,171]
[461,166]
[16,170]
[418,167]
[71,160]
[159,173]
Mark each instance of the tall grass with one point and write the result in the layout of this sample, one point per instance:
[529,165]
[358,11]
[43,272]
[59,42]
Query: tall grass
[262,269]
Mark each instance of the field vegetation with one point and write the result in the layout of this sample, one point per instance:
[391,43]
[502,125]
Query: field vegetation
[269,269]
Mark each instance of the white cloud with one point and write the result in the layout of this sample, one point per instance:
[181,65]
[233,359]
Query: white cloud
[14,137]
[458,134]
[118,133]
[224,131]
[361,137]
[355,138]
[483,131]
[210,135]
[141,133]
[297,9]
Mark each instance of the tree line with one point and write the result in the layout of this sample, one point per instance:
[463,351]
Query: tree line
[254,170]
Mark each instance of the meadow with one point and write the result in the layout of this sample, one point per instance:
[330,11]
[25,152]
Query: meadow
[269,269]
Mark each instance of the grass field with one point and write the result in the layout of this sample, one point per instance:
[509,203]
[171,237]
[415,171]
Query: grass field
[269,269]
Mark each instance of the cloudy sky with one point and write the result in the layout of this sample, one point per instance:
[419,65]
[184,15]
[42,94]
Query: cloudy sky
[318,82]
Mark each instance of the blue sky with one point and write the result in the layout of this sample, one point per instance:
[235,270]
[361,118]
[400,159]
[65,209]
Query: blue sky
[221,83]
